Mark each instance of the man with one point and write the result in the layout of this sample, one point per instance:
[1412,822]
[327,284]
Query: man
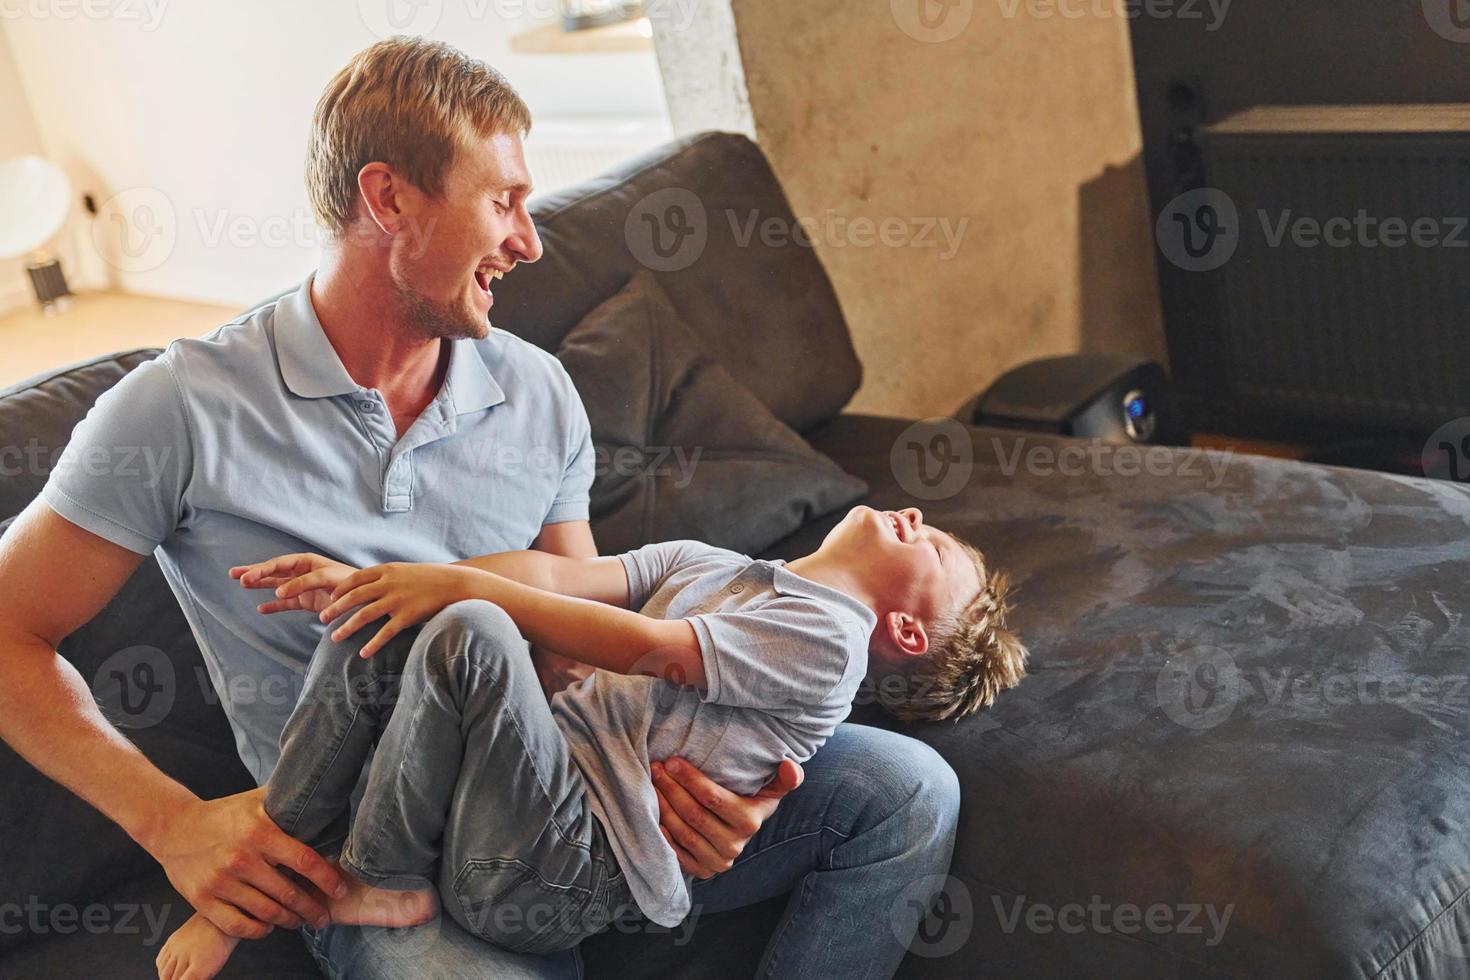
[363,416]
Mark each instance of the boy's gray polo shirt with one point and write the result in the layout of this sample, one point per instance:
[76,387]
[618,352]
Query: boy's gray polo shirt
[254,442]
[783,657]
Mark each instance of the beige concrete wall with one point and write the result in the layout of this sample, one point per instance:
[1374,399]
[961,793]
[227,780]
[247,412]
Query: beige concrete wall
[1019,135]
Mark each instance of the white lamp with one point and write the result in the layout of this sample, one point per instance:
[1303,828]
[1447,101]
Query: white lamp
[34,198]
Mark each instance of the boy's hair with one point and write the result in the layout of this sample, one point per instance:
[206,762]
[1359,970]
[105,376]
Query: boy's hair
[407,102]
[973,656]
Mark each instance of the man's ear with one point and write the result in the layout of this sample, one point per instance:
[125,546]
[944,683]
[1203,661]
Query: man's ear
[906,634]
[386,197]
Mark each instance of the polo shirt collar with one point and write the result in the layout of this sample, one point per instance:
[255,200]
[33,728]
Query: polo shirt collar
[311,368]
[469,383]
[309,364]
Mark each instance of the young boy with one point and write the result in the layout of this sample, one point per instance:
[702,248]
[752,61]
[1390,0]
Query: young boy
[539,825]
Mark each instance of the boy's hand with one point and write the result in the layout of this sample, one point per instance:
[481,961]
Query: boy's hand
[707,825]
[302,581]
[407,594]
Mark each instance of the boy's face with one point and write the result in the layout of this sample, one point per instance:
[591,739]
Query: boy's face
[916,573]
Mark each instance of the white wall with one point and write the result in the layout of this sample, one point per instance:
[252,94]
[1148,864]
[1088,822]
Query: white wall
[196,113]
[18,137]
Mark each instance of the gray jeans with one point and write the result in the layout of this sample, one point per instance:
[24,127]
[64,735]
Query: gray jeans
[471,788]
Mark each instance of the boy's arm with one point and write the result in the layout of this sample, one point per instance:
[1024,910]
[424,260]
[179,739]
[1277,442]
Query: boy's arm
[582,629]
[298,579]
[599,579]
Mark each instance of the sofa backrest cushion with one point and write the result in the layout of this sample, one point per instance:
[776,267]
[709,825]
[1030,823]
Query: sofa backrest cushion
[37,416]
[729,256]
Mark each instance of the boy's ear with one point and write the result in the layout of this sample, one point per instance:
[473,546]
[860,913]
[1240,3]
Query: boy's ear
[906,634]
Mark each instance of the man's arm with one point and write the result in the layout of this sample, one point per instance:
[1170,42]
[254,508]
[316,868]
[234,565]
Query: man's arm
[54,577]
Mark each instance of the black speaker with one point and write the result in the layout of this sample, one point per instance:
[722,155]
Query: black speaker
[1117,398]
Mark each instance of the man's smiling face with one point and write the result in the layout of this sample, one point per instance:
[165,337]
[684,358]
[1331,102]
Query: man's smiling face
[463,240]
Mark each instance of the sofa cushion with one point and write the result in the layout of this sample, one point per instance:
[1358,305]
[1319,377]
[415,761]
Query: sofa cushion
[683,449]
[37,416]
[1248,698]
[761,306]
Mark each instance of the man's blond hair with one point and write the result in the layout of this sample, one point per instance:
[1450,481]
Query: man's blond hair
[973,656]
[407,102]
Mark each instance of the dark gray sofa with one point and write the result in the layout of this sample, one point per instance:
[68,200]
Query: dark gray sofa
[1242,750]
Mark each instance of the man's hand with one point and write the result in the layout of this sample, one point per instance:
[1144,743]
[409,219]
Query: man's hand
[707,825]
[302,581]
[222,855]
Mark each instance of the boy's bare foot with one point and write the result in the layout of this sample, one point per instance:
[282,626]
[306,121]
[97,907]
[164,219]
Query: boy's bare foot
[365,905]
[197,951]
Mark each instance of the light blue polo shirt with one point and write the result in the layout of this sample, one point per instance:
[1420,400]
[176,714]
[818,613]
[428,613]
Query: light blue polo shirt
[254,442]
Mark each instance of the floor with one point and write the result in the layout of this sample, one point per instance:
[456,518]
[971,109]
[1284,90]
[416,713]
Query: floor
[97,323]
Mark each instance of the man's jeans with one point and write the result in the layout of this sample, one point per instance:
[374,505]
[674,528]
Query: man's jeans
[472,788]
[871,827]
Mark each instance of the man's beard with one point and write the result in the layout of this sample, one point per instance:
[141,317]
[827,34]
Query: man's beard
[439,320]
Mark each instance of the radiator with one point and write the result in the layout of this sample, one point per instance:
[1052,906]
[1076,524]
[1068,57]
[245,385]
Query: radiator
[567,150]
[1345,327]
